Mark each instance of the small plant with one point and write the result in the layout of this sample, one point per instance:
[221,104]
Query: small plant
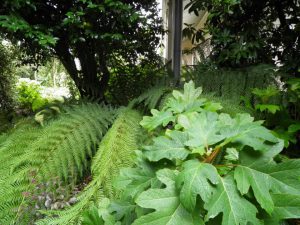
[279,108]
[29,95]
[203,167]
[264,96]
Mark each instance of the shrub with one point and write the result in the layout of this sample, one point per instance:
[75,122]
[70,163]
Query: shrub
[203,167]
[6,79]
[29,96]
[61,150]
[233,83]
[115,152]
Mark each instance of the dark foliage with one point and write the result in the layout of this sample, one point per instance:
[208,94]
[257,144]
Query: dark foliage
[252,31]
[6,79]
[99,35]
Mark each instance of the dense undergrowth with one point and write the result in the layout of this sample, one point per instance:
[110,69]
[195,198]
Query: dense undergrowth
[200,162]
[33,154]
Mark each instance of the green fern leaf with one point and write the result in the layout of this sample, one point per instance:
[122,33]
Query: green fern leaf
[60,149]
[115,151]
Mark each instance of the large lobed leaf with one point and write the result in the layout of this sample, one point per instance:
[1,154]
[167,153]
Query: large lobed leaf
[168,208]
[158,118]
[170,147]
[202,129]
[227,200]
[266,178]
[243,129]
[188,101]
[197,179]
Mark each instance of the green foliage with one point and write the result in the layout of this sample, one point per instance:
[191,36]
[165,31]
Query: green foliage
[5,124]
[250,32]
[115,151]
[293,85]
[61,150]
[105,37]
[230,106]
[222,172]
[265,94]
[29,96]
[279,108]
[93,216]
[152,98]
[233,83]
[132,84]
[6,78]
[264,99]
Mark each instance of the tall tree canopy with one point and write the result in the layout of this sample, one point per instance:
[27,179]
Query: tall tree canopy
[90,37]
[252,31]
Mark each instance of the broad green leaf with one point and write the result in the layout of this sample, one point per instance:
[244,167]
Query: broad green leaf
[91,217]
[166,203]
[261,185]
[235,209]
[135,180]
[190,93]
[202,129]
[213,106]
[159,118]
[294,127]
[285,135]
[122,209]
[266,93]
[168,147]
[231,154]
[104,213]
[196,179]
[183,121]
[99,215]
[264,177]
[267,107]
[251,157]
[242,129]
[286,206]
[188,101]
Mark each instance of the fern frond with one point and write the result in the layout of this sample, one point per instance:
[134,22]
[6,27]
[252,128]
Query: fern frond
[15,144]
[3,138]
[115,151]
[229,106]
[151,98]
[59,150]
[233,83]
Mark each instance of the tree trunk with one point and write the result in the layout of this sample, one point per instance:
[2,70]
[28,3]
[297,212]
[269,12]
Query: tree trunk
[89,84]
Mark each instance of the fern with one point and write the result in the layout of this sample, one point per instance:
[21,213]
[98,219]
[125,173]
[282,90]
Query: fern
[115,151]
[151,98]
[3,137]
[61,149]
[229,106]
[233,83]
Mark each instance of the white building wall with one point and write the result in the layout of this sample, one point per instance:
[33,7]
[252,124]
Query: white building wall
[188,18]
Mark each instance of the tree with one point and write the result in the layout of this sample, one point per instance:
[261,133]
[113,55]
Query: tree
[90,37]
[253,31]
[6,78]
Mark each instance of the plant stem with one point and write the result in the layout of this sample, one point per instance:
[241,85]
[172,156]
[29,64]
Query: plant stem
[213,155]
[226,165]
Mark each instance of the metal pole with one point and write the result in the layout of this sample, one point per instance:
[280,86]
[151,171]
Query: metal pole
[177,38]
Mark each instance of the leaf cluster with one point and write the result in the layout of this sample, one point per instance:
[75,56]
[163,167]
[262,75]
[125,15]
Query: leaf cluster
[203,167]
[114,152]
[33,154]
[104,36]
[244,32]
